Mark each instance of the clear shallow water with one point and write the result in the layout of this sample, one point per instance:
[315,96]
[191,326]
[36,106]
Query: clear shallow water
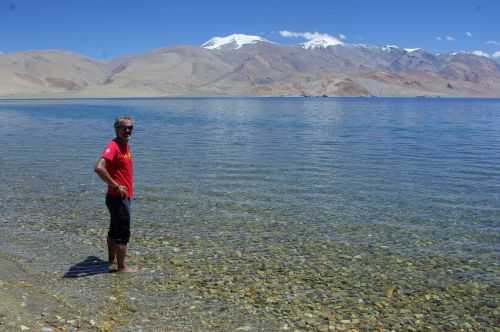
[430,166]
[416,177]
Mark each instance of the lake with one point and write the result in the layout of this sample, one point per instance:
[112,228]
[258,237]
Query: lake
[281,211]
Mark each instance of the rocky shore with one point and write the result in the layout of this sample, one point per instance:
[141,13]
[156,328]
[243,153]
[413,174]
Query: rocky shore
[53,278]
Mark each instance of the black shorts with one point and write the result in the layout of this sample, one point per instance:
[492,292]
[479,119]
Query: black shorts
[119,210]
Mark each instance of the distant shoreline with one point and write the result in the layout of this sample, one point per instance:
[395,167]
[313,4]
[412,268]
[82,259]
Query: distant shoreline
[3,99]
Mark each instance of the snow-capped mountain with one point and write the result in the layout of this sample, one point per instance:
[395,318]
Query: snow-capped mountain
[234,41]
[321,42]
[251,65]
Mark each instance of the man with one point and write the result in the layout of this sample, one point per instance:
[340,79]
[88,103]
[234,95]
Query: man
[115,168]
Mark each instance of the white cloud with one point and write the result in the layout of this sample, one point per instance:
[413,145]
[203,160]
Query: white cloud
[481,53]
[496,54]
[342,36]
[450,38]
[289,34]
[307,35]
[439,38]
[468,34]
[492,42]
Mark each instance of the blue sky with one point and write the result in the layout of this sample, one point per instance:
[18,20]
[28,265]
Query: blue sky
[105,29]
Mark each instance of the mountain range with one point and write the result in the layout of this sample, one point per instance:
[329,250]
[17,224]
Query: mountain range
[243,65]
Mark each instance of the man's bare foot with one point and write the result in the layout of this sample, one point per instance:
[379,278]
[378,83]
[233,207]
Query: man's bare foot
[127,269]
[112,267]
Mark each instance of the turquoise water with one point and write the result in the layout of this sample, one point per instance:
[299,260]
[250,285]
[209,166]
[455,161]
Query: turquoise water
[416,177]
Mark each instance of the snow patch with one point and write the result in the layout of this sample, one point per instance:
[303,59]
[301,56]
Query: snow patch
[409,50]
[234,41]
[321,41]
[477,53]
[389,48]
[481,53]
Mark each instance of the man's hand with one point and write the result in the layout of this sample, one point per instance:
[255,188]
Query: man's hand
[123,190]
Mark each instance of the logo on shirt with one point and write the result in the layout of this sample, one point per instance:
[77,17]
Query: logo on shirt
[127,156]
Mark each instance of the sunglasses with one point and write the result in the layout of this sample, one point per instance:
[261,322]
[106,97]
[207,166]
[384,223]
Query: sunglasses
[126,127]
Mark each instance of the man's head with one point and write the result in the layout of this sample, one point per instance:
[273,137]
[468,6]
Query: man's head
[123,127]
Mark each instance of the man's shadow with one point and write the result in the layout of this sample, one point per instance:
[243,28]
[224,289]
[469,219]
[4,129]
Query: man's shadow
[90,266]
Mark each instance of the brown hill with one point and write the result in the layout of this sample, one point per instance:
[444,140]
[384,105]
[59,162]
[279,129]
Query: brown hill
[261,69]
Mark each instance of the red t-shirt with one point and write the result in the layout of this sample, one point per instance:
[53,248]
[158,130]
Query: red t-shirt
[119,166]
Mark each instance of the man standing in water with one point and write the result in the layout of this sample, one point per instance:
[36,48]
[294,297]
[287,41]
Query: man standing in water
[115,168]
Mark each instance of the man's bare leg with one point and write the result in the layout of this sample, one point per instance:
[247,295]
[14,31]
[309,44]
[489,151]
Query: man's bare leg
[121,254]
[111,251]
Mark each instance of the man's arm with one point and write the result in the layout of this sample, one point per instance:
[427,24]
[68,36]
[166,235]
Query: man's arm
[100,169]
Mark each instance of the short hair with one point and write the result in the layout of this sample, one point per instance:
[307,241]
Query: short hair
[120,119]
